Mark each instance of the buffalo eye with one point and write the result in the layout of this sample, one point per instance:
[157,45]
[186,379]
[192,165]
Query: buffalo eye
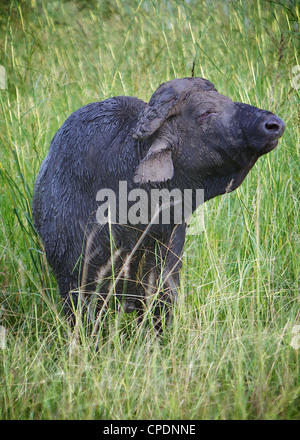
[205,115]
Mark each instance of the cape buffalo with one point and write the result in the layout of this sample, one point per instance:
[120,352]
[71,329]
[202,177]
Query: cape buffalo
[188,137]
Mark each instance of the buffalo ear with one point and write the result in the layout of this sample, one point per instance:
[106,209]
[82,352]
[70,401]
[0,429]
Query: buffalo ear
[166,101]
[160,107]
[157,166]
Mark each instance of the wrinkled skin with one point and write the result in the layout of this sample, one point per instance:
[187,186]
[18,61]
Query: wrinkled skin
[187,136]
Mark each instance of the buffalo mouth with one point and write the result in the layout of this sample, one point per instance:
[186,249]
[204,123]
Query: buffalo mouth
[269,146]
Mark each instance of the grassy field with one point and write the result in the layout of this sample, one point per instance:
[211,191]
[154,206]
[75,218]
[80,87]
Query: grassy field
[233,349]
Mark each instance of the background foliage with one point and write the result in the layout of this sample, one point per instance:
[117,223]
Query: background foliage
[229,353]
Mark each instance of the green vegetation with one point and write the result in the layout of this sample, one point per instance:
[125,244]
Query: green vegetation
[229,353]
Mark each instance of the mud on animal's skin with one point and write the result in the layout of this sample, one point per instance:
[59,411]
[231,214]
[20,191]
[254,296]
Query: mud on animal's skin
[114,275]
[188,137]
[110,264]
[120,263]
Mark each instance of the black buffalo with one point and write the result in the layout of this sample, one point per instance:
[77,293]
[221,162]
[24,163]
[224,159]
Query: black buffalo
[187,137]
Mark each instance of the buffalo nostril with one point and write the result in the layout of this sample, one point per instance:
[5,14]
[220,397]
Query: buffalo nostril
[274,125]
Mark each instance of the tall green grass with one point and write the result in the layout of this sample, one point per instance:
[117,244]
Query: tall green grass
[229,353]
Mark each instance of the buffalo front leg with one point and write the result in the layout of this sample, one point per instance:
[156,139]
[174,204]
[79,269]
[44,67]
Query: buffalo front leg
[170,273]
